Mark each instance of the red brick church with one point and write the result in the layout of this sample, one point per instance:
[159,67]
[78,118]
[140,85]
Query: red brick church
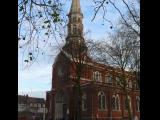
[102,96]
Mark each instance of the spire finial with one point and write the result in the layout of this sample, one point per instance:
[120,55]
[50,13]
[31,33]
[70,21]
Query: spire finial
[75,7]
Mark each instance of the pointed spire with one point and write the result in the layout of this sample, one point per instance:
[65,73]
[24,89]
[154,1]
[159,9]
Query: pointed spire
[75,26]
[75,39]
[75,7]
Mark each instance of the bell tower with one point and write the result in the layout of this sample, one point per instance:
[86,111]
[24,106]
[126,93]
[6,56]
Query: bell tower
[75,39]
[75,26]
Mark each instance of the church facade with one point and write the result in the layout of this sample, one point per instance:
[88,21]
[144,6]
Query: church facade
[102,95]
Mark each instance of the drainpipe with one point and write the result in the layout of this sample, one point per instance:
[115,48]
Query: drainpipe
[110,102]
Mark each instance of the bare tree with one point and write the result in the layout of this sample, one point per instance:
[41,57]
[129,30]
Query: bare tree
[39,22]
[121,51]
[131,19]
[76,52]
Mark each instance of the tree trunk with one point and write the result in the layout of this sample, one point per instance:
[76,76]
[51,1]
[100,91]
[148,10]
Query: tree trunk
[126,95]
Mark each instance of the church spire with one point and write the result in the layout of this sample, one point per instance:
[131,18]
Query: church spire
[75,39]
[75,7]
[75,26]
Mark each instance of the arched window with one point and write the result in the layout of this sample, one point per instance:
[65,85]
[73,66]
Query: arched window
[127,102]
[74,29]
[101,101]
[113,102]
[84,102]
[130,84]
[117,102]
[137,103]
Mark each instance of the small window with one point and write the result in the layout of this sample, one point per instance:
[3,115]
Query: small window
[74,29]
[108,79]
[39,105]
[130,84]
[43,105]
[79,41]
[137,103]
[35,105]
[136,85]
[97,76]
[31,105]
[79,19]
[84,102]
[118,81]
[74,19]
[127,83]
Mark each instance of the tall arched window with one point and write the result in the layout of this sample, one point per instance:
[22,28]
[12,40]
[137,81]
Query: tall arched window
[117,102]
[74,29]
[137,103]
[127,103]
[84,102]
[101,101]
[113,102]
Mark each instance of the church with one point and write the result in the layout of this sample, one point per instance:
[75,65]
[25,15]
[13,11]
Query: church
[102,98]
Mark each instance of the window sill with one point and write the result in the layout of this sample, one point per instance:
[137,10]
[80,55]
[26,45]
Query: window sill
[84,110]
[116,110]
[101,110]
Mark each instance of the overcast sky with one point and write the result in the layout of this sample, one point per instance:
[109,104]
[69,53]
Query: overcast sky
[36,80]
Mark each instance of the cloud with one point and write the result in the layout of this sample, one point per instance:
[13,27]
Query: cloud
[38,77]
